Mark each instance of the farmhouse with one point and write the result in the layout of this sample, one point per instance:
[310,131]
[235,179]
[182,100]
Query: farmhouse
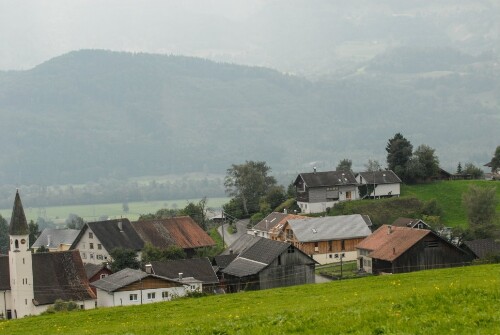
[317,191]
[400,249]
[327,239]
[97,239]
[267,264]
[55,239]
[270,222]
[31,283]
[135,287]
[181,231]
[379,184]
[198,268]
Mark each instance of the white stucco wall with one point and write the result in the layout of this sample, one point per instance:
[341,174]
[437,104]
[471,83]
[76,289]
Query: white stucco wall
[92,255]
[330,257]
[122,298]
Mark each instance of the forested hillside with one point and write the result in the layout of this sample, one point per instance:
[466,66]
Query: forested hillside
[93,114]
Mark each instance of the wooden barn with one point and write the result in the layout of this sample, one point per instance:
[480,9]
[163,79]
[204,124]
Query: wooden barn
[268,264]
[399,249]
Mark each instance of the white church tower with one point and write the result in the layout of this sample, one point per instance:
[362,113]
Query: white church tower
[21,270]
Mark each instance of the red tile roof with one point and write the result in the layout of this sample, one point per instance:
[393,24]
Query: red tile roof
[181,231]
[389,242]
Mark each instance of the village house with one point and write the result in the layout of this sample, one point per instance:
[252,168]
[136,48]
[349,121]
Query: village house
[410,223]
[263,263]
[317,191]
[268,224]
[31,283]
[327,239]
[400,249]
[181,231]
[96,240]
[200,269]
[379,184]
[55,239]
[135,287]
[95,272]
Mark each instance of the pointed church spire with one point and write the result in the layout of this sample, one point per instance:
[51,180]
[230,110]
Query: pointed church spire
[18,223]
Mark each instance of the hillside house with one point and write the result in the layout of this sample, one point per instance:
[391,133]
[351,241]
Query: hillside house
[96,240]
[317,191]
[135,287]
[265,264]
[181,231]
[200,269]
[400,249]
[55,239]
[379,184]
[410,223]
[326,239]
[264,227]
[31,283]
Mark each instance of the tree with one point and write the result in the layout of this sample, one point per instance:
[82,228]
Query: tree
[480,204]
[34,232]
[4,236]
[372,166]
[459,168]
[275,196]
[198,212]
[248,182]
[495,162]
[344,165]
[74,222]
[428,160]
[399,151]
[123,258]
[290,190]
[151,253]
[474,171]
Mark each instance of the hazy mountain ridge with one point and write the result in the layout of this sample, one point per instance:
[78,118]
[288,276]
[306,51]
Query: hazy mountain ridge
[94,114]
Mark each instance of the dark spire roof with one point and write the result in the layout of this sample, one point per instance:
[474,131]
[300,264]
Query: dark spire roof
[18,223]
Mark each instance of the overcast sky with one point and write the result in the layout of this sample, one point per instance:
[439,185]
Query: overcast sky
[301,36]
[34,31]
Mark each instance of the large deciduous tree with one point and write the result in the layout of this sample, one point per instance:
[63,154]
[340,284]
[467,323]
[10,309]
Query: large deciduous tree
[123,258]
[399,151]
[249,182]
[428,160]
[345,165]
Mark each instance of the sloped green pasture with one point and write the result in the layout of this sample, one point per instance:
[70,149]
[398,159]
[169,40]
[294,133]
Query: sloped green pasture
[450,301]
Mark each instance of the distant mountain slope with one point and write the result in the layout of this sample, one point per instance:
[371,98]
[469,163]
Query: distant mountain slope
[94,114]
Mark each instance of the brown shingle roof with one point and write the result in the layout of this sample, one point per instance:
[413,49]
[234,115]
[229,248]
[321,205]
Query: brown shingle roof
[182,231]
[388,242]
[198,268]
[59,275]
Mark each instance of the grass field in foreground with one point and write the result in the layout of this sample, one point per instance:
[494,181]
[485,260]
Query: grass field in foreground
[451,301]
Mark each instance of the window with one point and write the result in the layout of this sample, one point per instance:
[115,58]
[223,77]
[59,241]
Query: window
[164,295]
[279,260]
[348,195]
[91,256]
[91,245]
[99,246]
[84,255]
[91,235]
[133,297]
[100,257]
[103,275]
[289,234]
[291,250]
[151,295]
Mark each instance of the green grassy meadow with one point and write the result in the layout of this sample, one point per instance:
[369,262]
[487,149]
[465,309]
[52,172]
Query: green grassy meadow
[92,212]
[448,195]
[449,301]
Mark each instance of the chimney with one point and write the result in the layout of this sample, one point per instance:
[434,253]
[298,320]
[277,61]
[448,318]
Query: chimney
[120,226]
[389,229]
[48,241]
[285,211]
[149,268]
[314,168]
[180,276]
